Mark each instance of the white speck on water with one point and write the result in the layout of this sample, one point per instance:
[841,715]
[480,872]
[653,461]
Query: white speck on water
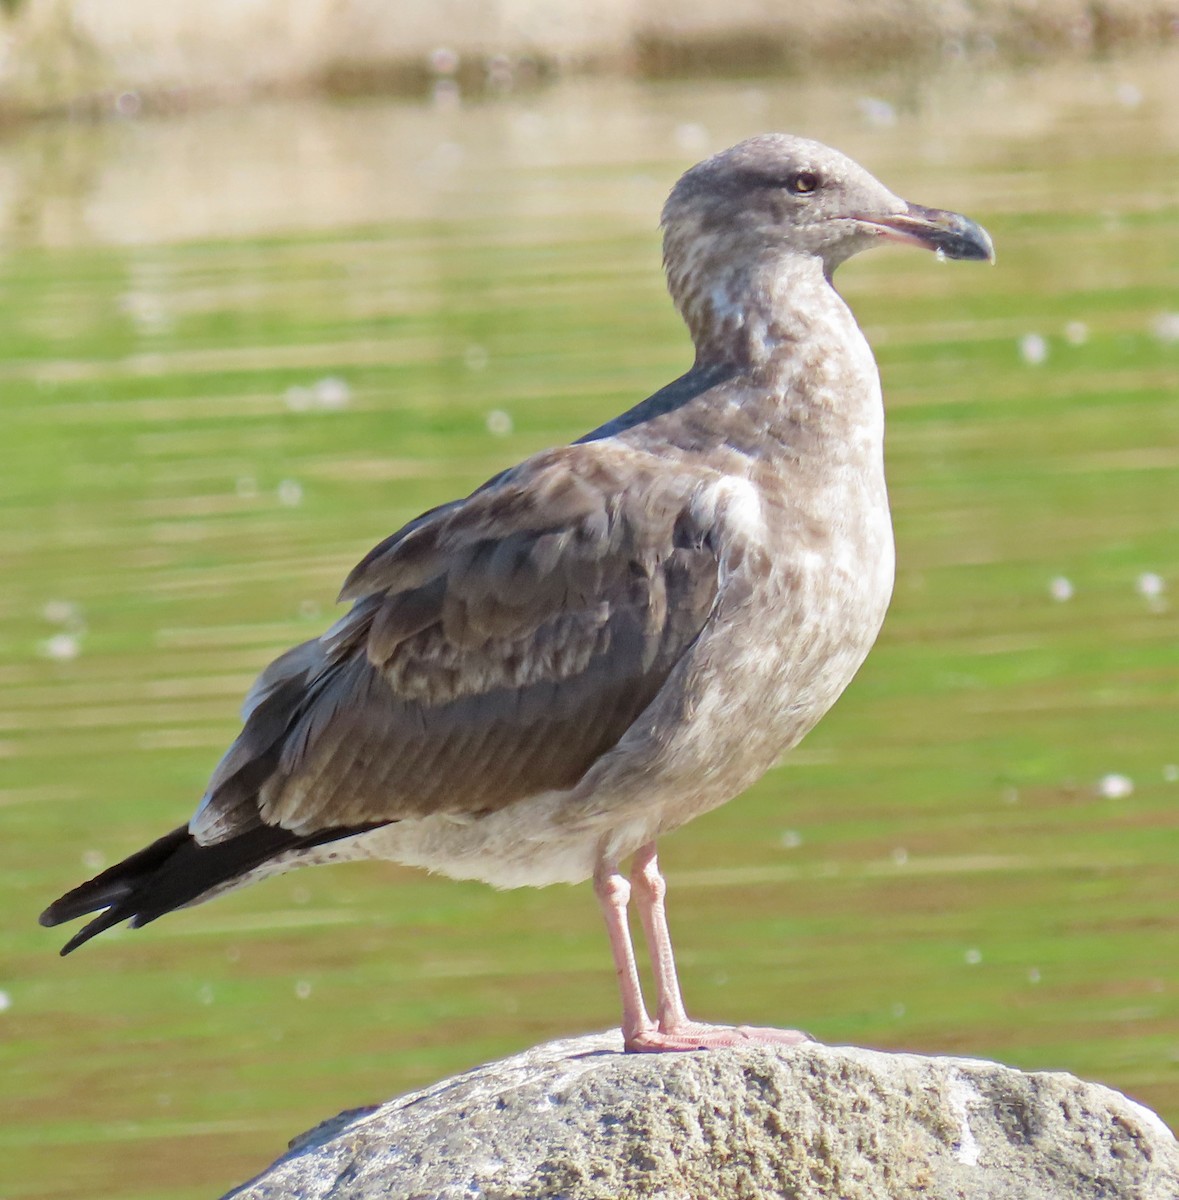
[128,104]
[329,394]
[205,994]
[1033,974]
[1128,95]
[900,856]
[1171,773]
[499,422]
[1151,585]
[476,357]
[1033,349]
[300,895]
[62,612]
[93,860]
[444,61]
[309,610]
[5,1001]
[1115,787]
[1010,795]
[1165,327]
[62,647]
[877,112]
[332,393]
[1061,589]
[146,312]
[973,956]
[791,839]
[897,1010]
[164,1099]
[290,493]
[691,138]
[246,487]
[1076,333]
[302,989]
[940,255]
[233,954]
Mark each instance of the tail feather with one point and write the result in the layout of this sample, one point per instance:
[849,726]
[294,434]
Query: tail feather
[173,872]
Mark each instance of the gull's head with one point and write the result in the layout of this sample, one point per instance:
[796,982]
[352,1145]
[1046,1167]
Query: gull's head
[774,201]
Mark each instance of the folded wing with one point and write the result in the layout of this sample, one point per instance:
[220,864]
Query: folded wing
[496,647]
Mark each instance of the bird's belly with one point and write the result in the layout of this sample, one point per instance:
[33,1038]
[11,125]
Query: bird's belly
[527,844]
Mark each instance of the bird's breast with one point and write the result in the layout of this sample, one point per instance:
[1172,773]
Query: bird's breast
[810,620]
[807,577]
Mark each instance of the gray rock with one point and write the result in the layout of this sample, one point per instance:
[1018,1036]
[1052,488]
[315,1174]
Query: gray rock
[577,1120]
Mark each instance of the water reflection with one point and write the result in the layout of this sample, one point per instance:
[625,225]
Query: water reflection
[241,346]
[581,149]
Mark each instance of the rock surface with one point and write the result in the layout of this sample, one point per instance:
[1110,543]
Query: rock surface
[578,1120]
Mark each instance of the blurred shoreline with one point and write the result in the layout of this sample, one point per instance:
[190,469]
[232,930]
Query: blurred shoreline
[224,172]
[123,57]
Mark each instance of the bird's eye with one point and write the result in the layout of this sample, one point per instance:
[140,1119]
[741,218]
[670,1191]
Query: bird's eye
[803,183]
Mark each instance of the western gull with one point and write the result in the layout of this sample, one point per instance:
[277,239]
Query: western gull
[536,682]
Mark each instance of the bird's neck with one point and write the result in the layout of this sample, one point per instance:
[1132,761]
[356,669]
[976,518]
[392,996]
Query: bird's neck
[749,316]
[807,373]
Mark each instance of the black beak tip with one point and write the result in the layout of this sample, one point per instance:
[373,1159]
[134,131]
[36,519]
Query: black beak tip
[968,242]
[950,234]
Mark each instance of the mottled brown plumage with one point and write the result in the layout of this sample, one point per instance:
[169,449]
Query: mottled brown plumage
[502,647]
[539,680]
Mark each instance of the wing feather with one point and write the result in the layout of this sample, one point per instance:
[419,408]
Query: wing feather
[496,647]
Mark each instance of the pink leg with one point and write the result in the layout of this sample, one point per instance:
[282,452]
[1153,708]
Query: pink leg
[650,889]
[613,892]
[672,1029]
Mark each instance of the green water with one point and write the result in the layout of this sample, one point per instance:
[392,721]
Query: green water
[936,869]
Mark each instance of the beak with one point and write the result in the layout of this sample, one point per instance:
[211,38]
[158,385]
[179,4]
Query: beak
[949,233]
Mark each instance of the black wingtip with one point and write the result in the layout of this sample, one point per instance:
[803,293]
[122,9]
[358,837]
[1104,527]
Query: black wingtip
[101,923]
[86,898]
[173,872]
[111,891]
